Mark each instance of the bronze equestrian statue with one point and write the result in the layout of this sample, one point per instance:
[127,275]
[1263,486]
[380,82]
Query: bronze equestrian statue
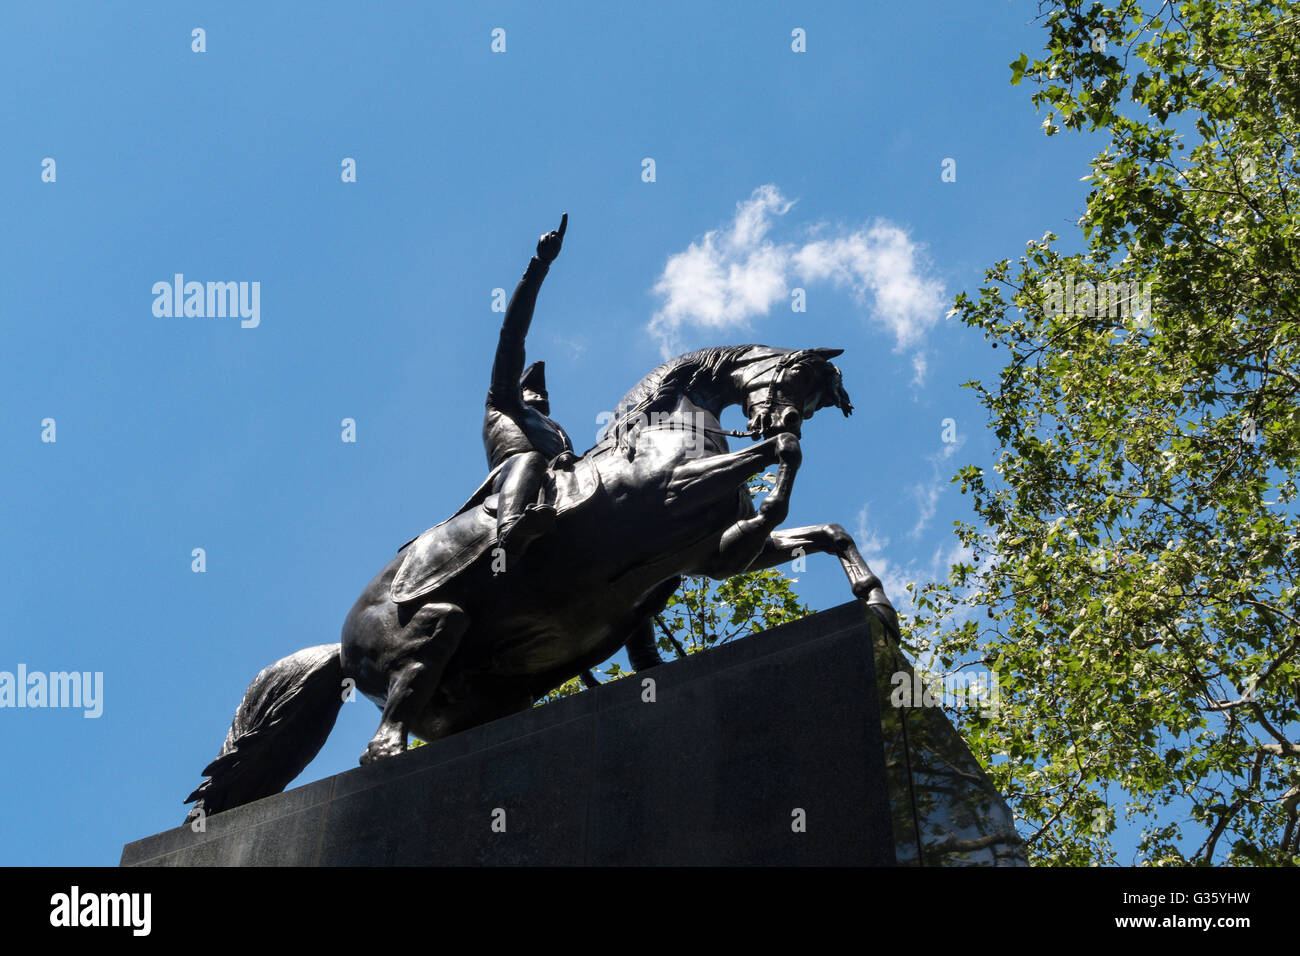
[461,627]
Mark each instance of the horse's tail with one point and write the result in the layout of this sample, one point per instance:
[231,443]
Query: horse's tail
[281,724]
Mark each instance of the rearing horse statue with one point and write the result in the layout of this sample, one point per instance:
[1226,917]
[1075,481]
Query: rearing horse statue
[446,636]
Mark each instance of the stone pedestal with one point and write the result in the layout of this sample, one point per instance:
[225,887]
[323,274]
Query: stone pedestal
[767,750]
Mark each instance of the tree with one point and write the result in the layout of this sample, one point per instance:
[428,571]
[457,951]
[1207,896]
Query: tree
[1132,557]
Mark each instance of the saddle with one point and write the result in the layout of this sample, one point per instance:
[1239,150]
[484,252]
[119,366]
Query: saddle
[437,555]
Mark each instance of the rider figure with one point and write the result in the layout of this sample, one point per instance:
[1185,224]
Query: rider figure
[518,433]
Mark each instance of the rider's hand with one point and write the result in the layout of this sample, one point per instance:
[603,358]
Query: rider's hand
[548,247]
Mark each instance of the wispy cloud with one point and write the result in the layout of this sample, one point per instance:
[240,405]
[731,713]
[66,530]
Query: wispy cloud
[927,493]
[920,368]
[868,542]
[895,576]
[927,502]
[737,273]
[576,344]
[876,548]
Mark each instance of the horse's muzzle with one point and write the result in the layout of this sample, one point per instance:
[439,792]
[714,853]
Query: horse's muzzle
[769,424]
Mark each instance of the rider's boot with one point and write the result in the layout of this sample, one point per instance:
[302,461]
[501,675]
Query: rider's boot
[523,529]
[521,518]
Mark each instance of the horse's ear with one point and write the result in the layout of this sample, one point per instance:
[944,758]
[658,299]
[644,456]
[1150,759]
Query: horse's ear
[826,354]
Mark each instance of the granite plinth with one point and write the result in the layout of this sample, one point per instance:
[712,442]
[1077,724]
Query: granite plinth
[738,747]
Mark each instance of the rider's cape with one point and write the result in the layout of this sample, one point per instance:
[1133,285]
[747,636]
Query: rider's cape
[439,554]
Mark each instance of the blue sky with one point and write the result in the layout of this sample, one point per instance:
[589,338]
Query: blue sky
[819,170]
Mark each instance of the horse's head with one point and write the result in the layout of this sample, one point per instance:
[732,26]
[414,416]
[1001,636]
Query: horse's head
[781,389]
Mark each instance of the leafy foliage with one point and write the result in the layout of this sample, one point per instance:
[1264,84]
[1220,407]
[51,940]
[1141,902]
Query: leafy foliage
[1134,554]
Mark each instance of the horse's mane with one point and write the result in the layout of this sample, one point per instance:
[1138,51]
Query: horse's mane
[661,388]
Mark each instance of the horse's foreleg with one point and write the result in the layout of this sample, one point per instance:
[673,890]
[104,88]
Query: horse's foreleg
[642,652]
[793,543]
[742,542]
[414,662]
[782,547]
[709,479]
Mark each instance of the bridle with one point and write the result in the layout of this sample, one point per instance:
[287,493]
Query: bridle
[761,399]
[772,394]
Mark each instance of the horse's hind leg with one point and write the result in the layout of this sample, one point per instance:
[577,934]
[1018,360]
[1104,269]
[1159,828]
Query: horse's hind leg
[414,664]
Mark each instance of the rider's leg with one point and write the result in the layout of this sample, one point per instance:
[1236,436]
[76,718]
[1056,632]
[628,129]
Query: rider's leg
[520,518]
[415,664]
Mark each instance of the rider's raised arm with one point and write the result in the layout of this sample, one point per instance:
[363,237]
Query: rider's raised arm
[509,362]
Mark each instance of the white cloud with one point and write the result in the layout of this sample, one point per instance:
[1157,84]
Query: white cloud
[927,494]
[896,577]
[872,548]
[737,273]
[868,541]
[920,368]
[575,344]
[927,501]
